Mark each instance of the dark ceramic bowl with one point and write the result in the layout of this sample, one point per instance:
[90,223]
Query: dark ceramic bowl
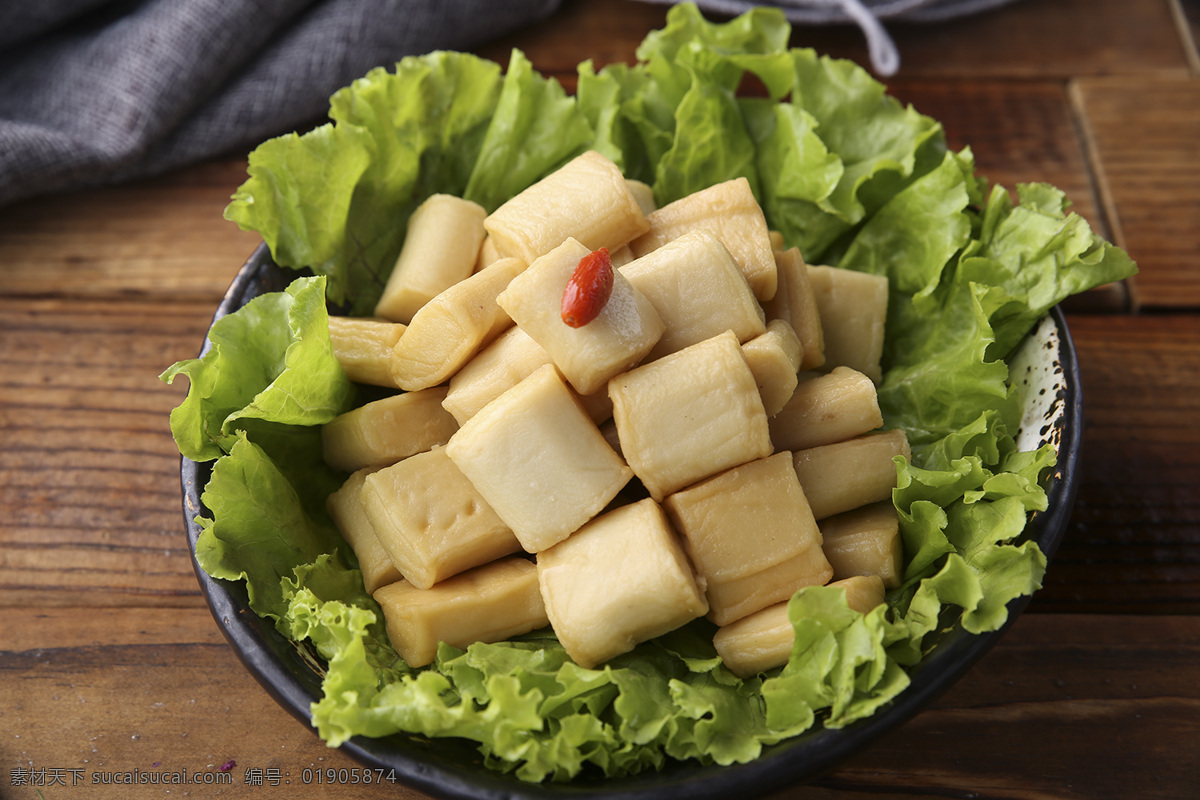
[1046,368]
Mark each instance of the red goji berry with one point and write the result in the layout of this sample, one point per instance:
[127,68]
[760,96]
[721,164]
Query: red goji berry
[588,289]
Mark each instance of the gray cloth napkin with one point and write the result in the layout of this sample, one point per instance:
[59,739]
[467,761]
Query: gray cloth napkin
[100,91]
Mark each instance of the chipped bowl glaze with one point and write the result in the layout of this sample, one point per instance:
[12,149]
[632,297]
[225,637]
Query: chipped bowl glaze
[1045,371]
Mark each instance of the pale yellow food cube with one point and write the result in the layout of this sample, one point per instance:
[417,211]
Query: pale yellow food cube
[689,415]
[827,409]
[431,520]
[619,580]
[502,365]
[448,330]
[384,431]
[853,310]
[751,536]
[863,592]
[539,460]
[363,346]
[758,642]
[488,253]
[441,247]
[738,596]
[621,256]
[697,290]
[346,509]
[729,210]
[795,303]
[598,405]
[845,475]
[643,194]
[774,358]
[853,473]
[490,603]
[495,369]
[865,541]
[619,337]
[587,199]
[764,640]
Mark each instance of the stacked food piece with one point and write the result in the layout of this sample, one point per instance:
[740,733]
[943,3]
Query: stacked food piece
[614,419]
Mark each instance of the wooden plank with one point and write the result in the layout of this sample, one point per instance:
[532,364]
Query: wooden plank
[1144,136]
[157,689]
[150,691]
[1040,40]
[1019,132]
[90,500]
[605,31]
[1132,545]
[1065,39]
[164,237]
[1187,15]
[1065,706]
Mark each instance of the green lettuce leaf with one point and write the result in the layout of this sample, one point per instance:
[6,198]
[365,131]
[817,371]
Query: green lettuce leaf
[260,530]
[272,360]
[1034,255]
[535,129]
[336,199]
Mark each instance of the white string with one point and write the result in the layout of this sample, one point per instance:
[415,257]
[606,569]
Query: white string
[884,56]
[868,15]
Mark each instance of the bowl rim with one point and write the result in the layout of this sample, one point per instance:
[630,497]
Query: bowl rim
[437,767]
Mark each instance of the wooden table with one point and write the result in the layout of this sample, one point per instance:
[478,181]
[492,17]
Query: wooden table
[110,661]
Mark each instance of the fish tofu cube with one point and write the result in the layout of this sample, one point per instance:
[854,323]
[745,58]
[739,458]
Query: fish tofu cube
[698,291]
[431,520]
[490,603]
[539,460]
[845,475]
[441,246]
[827,409]
[865,541]
[690,415]
[774,358]
[731,211]
[619,580]
[758,642]
[764,640]
[385,431]
[449,329]
[586,199]
[346,508]
[495,369]
[618,338]
[751,536]
[363,346]
[795,304]
[852,307]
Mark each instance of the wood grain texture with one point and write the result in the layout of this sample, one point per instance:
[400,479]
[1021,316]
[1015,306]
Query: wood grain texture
[1132,545]
[1037,39]
[1145,135]
[90,510]
[1018,132]
[160,238]
[161,691]
[109,660]
[1063,707]
[155,691]
[1048,38]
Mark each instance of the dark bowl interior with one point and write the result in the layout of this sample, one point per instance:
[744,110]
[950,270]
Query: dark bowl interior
[452,768]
